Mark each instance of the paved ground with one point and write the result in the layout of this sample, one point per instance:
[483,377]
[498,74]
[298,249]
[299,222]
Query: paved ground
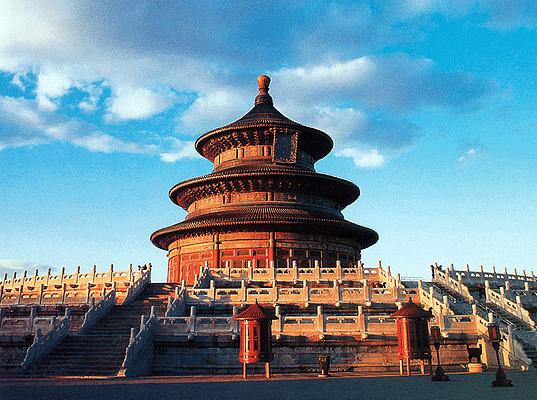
[295,387]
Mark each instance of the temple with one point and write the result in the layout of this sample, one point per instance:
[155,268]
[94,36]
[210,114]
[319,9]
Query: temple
[265,269]
[263,202]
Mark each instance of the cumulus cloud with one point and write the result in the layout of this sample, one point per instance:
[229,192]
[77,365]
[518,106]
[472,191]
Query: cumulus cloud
[179,150]
[25,124]
[213,108]
[396,81]
[137,103]
[369,142]
[129,61]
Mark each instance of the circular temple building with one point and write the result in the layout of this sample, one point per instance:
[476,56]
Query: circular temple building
[263,202]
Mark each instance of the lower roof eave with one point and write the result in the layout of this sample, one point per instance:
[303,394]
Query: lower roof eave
[366,237]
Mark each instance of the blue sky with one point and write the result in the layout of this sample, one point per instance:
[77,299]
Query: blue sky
[431,106]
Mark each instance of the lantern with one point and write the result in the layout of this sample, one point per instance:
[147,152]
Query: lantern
[255,338]
[412,335]
[494,333]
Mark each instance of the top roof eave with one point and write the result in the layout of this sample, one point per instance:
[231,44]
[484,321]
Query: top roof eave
[264,115]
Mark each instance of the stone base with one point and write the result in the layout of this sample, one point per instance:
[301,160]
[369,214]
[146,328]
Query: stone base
[475,368]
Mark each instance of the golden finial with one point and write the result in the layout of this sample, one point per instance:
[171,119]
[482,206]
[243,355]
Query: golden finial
[263,82]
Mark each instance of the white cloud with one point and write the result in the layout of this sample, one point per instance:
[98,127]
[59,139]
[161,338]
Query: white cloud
[212,109]
[137,103]
[24,124]
[178,150]
[51,84]
[143,56]
[364,159]
[396,82]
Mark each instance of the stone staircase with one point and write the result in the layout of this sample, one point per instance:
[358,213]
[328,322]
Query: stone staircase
[522,331]
[458,303]
[100,352]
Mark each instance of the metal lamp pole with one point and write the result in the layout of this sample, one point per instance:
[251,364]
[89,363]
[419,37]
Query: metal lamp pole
[495,339]
[436,336]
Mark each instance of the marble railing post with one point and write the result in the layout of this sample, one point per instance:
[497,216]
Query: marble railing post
[433,304]
[250,270]
[21,289]
[487,288]
[228,269]
[77,274]
[88,292]
[36,273]
[235,330]
[339,272]
[192,322]
[519,307]
[131,276]
[362,318]
[212,291]
[244,291]
[317,270]
[273,270]
[365,292]
[295,270]
[502,296]
[279,322]
[30,325]
[41,292]
[321,322]
[306,293]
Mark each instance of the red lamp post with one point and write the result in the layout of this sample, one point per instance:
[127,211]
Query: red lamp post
[495,338]
[436,338]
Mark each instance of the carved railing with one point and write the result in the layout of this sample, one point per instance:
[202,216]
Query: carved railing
[429,299]
[202,280]
[65,289]
[43,344]
[177,305]
[315,272]
[76,278]
[193,325]
[477,277]
[333,293]
[457,285]
[137,286]
[98,310]
[516,309]
[139,352]
[511,350]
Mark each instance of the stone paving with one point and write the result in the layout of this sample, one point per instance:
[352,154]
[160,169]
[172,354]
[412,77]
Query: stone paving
[461,386]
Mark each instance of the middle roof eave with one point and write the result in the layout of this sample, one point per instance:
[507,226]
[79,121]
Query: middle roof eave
[344,193]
